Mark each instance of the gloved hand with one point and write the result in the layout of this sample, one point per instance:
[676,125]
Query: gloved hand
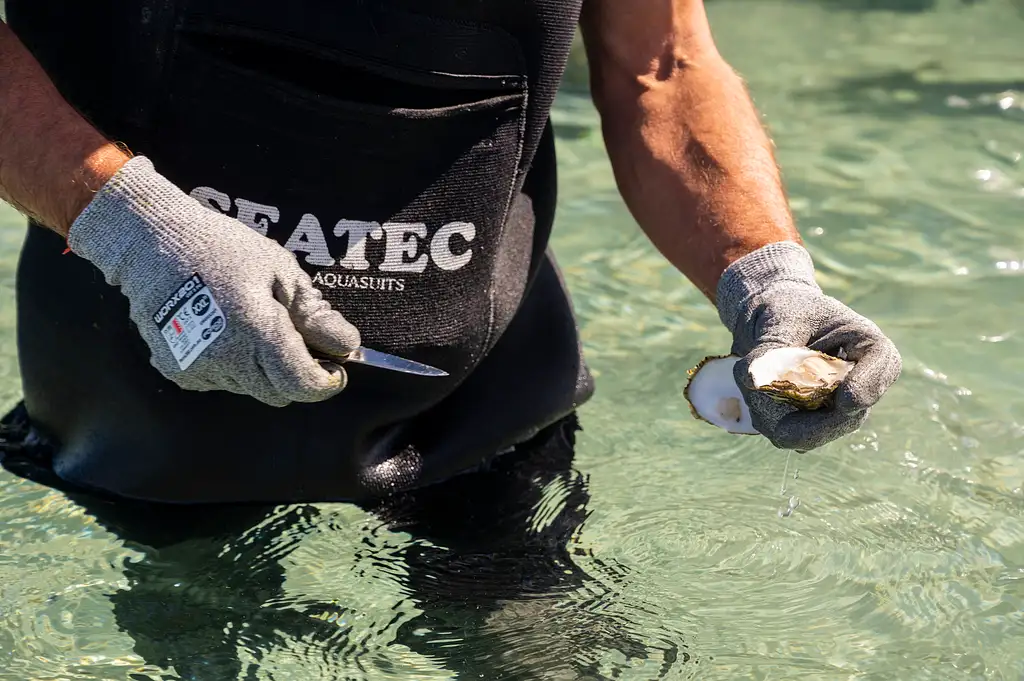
[769,299]
[220,306]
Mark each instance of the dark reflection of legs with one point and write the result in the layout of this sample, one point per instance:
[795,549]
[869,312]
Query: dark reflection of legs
[501,595]
[490,567]
[197,595]
[196,598]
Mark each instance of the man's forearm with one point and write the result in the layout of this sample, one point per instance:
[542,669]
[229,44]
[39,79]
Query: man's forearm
[51,159]
[690,156]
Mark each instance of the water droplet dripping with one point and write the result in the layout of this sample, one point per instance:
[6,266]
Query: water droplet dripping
[794,503]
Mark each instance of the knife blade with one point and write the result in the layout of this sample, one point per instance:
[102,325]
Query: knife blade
[383,360]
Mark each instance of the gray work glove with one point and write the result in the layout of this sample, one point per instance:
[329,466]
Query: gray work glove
[769,299]
[220,306]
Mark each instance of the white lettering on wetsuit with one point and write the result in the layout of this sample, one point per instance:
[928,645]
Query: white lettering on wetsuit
[334,280]
[407,248]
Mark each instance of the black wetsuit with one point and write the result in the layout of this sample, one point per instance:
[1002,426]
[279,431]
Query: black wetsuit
[403,150]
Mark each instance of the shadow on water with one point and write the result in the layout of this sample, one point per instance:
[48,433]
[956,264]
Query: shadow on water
[491,570]
[913,92]
[904,6]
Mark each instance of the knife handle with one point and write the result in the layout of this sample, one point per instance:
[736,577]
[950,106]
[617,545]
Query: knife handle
[327,357]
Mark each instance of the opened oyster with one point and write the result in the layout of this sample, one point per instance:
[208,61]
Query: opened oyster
[801,377]
[714,396]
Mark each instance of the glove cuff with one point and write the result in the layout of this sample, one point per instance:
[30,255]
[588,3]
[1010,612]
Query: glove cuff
[757,271]
[129,213]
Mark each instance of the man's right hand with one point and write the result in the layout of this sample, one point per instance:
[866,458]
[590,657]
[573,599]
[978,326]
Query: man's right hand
[150,239]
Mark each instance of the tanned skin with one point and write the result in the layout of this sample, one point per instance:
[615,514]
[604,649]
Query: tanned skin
[51,159]
[690,156]
[691,159]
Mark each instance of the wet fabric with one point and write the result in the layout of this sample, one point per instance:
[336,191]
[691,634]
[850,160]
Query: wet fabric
[403,151]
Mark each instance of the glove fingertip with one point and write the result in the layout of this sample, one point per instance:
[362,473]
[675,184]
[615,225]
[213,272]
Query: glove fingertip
[799,429]
[862,390]
[810,430]
[741,373]
[324,382]
[337,377]
[848,399]
[778,443]
[786,441]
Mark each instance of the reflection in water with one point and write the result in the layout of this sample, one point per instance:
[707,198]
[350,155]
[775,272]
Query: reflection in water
[490,567]
[913,92]
[906,6]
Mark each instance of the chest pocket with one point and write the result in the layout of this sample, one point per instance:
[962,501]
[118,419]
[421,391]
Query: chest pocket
[382,148]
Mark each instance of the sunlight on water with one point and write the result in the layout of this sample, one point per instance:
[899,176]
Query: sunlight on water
[896,553]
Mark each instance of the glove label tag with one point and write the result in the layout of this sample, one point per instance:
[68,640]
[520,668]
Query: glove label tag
[190,320]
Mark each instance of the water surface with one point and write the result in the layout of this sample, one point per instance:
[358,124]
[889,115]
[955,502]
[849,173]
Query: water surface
[900,130]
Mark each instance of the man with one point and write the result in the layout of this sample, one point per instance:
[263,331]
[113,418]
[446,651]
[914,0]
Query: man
[313,177]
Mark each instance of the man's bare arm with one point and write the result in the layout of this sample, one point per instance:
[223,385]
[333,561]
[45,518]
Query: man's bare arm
[689,154]
[51,159]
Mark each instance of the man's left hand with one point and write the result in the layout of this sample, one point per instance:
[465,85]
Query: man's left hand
[769,299]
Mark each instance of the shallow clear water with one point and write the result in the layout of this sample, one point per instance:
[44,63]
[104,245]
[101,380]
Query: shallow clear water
[901,135]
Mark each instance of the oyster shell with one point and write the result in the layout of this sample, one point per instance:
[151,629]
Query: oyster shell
[797,376]
[714,396]
[801,377]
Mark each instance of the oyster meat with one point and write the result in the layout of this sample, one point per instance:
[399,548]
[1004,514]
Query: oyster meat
[797,376]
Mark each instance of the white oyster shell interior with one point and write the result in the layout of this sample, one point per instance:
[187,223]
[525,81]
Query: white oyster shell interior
[716,398]
[803,367]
